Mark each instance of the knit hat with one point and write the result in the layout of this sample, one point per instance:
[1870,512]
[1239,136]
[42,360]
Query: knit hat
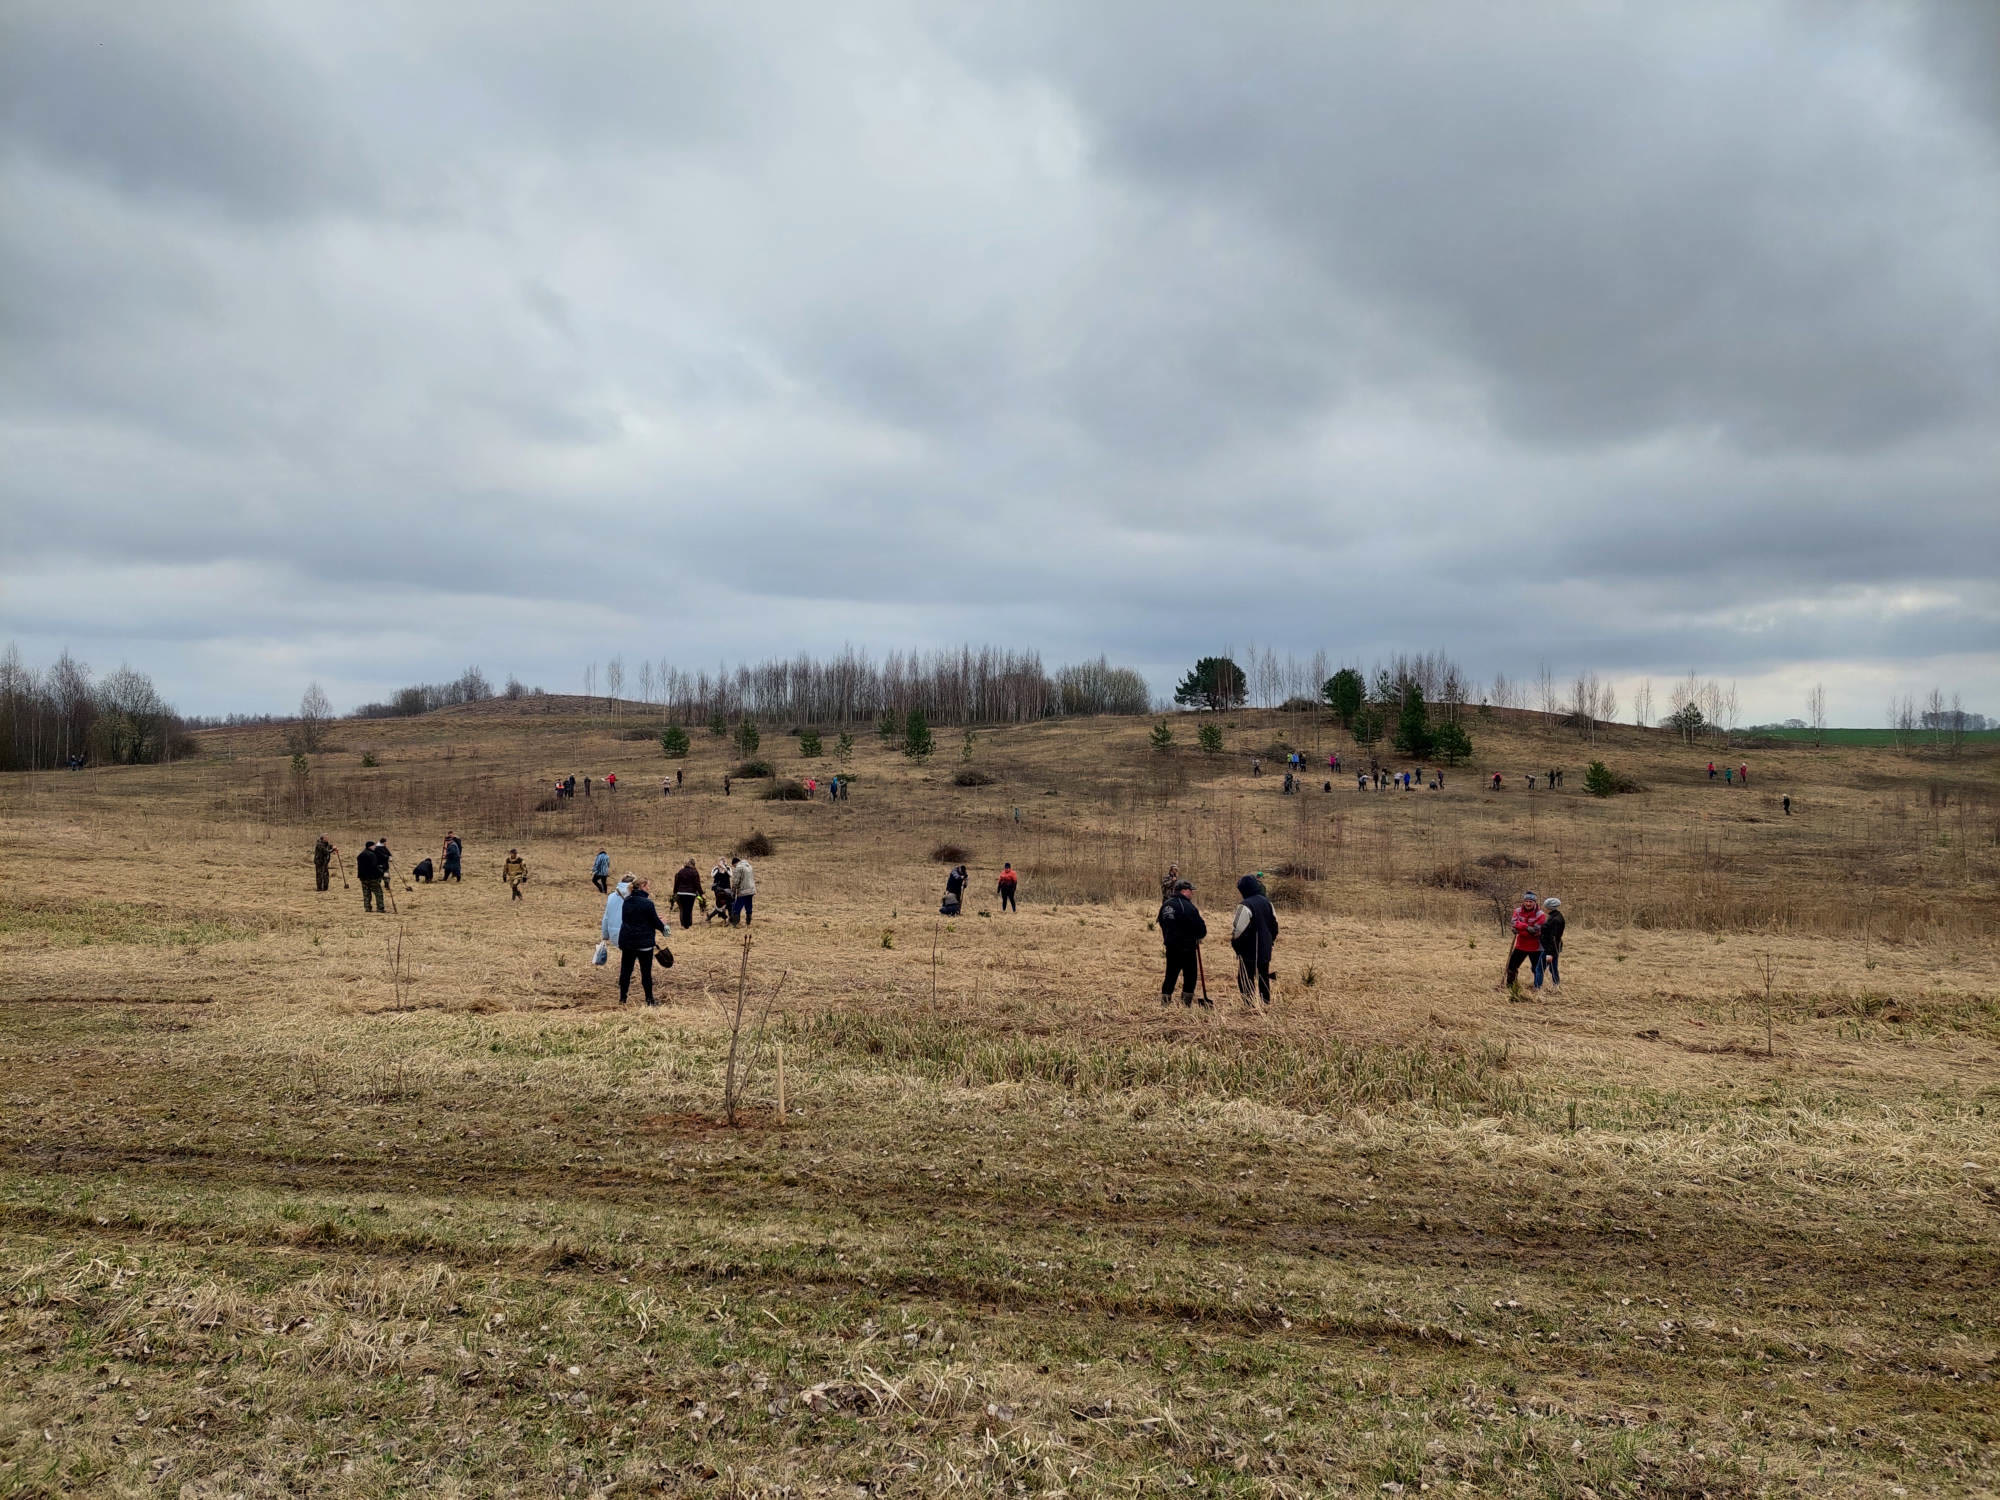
[1553,902]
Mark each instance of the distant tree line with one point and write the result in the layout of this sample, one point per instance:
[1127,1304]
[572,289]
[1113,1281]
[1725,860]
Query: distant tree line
[470,686]
[63,716]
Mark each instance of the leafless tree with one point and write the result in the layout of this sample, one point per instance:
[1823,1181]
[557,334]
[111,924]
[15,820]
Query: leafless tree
[614,682]
[1816,712]
[1642,704]
[1547,693]
[315,712]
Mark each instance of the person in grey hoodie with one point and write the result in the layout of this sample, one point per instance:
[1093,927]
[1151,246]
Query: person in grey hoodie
[1552,942]
[1252,935]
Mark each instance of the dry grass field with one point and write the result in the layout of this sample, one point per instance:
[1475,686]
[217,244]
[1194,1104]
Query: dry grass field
[297,1200]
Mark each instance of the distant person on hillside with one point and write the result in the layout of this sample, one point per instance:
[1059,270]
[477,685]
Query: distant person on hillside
[1729,776]
[1552,940]
[639,925]
[718,885]
[1527,924]
[611,782]
[1360,781]
[1252,935]
[323,853]
[742,892]
[1711,770]
[1743,773]
[1009,882]
[1531,781]
[383,860]
[1256,766]
[725,784]
[600,870]
[1788,813]
[1289,783]
[1496,781]
[514,871]
[454,854]
[1181,930]
[586,788]
[370,877]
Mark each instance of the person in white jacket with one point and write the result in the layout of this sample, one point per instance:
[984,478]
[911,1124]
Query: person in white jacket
[614,909]
[743,891]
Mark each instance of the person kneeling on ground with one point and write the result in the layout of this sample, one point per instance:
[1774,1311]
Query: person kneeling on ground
[1252,935]
[422,870]
[639,921]
[1181,930]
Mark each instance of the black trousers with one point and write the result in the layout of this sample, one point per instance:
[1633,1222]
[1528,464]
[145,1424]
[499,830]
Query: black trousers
[1007,899]
[451,873]
[1253,975]
[685,901]
[643,957]
[1183,965]
[603,884]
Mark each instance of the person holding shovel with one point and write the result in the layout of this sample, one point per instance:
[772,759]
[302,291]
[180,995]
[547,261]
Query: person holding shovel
[323,853]
[1181,930]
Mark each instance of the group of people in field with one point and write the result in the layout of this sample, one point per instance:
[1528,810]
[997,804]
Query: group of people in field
[1538,940]
[1253,934]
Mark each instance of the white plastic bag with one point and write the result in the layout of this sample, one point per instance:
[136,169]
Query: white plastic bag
[602,955]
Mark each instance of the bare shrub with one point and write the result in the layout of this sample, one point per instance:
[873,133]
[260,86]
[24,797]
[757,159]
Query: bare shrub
[971,777]
[758,843]
[787,791]
[951,854]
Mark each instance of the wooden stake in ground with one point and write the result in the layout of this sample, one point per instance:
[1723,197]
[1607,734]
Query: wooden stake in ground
[781,1085]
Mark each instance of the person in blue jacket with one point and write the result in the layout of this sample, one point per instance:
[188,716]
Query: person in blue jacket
[600,872]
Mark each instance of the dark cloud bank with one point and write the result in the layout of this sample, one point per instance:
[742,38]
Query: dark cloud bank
[361,344]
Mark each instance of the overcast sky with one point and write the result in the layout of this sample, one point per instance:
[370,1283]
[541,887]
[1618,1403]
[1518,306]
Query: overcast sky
[363,342]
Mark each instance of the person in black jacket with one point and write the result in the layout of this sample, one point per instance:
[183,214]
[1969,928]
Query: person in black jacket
[635,941]
[954,891]
[1552,941]
[370,872]
[1252,935]
[1181,929]
[687,887]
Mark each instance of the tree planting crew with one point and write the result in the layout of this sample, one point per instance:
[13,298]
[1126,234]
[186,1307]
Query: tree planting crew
[718,885]
[514,871]
[370,874]
[382,861]
[640,920]
[323,853]
[614,908]
[1552,940]
[1009,883]
[1528,922]
[600,871]
[742,891]
[687,890]
[454,851]
[1181,930]
[1252,935]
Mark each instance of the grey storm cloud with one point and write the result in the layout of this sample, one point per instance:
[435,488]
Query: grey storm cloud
[360,343]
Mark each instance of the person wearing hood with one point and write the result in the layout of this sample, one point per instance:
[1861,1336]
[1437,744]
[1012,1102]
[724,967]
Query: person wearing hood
[954,891]
[1552,940]
[687,890]
[639,921]
[614,909]
[1181,929]
[1252,935]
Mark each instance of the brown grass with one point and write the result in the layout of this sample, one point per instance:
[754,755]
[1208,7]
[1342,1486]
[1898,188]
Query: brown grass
[283,1212]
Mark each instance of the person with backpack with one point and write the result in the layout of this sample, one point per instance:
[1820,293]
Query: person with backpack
[1527,923]
[954,892]
[1009,883]
[600,871]
[687,890]
[1251,935]
[639,921]
[1552,940]
[1181,930]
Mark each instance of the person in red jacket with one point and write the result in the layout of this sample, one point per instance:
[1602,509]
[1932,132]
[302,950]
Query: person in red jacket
[1529,919]
[1008,882]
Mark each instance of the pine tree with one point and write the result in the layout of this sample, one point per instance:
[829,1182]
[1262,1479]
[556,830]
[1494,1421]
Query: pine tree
[673,742]
[1598,780]
[1210,736]
[1162,737]
[747,738]
[917,741]
[844,746]
[809,745]
[1451,743]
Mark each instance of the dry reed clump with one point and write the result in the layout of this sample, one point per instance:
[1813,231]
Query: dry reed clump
[757,844]
[1458,875]
[1311,1073]
[971,776]
[951,854]
[751,770]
